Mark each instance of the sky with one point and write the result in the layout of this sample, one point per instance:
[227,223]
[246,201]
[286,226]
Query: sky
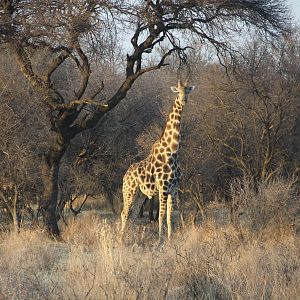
[295,8]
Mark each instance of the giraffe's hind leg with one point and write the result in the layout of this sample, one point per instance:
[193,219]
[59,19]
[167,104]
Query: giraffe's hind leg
[151,209]
[139,202]
[129,193]
[141,213]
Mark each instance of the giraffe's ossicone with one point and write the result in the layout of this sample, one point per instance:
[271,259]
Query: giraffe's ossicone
[159,172]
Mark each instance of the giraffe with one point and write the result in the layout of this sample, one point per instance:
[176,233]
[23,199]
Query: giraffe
[159,172]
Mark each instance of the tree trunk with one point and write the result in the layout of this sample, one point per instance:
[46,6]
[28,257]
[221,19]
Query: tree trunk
[50,194]
[50,176]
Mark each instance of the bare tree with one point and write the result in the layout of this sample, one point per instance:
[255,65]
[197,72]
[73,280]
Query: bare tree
[70,31]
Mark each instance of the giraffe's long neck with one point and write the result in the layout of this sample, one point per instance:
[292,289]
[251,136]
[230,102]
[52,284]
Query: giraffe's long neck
[171,134]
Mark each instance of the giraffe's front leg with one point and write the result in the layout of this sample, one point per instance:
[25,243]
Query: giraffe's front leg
[162,212]
[169,215]
[151,208]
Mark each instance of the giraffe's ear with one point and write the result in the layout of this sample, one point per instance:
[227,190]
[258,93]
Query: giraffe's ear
[174,89]
[191,88]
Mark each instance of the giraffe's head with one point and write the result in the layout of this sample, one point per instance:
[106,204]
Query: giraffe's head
[183,90]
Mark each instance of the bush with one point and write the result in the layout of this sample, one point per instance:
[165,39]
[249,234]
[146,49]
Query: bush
[271,208]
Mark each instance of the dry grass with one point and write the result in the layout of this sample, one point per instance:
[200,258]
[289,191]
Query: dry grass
[203,262]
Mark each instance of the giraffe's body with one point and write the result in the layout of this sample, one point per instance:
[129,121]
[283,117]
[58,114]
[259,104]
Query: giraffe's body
[159,172]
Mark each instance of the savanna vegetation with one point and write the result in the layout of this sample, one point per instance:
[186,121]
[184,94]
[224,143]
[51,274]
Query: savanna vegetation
[84,93]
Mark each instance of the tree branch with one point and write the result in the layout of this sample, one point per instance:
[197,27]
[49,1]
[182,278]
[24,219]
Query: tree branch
[52,96]
[55,64]
[25,66]
[75,103]
[84,72]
